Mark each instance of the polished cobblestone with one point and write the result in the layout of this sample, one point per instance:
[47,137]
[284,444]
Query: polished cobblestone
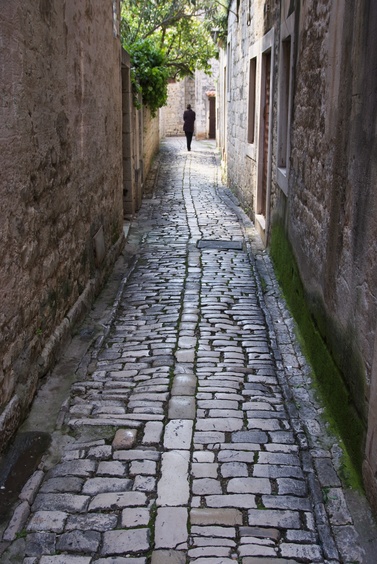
[185,443]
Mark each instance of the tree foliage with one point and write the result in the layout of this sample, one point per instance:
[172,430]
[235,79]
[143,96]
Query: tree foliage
[170,39]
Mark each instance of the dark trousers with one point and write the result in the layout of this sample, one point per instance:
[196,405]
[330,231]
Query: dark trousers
[189,135]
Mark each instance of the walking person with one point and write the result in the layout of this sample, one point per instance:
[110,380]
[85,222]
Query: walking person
[188,125]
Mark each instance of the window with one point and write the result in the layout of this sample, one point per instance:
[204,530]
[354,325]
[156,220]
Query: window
[284,98]
[251,108]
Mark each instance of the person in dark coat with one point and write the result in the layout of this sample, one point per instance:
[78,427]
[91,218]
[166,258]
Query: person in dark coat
[188,125]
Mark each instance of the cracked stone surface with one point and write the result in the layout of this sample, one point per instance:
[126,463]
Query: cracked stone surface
[184,440]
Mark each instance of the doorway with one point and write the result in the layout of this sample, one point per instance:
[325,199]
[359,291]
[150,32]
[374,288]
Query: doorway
[212,118]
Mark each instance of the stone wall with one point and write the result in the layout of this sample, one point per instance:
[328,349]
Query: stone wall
[151,139]
[172,113]
[61,181]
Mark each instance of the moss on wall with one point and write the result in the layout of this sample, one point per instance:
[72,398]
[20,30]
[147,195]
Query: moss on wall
[340,406]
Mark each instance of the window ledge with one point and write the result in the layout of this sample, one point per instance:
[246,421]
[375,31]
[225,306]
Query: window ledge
[261,220]
[250,151]
[282,179]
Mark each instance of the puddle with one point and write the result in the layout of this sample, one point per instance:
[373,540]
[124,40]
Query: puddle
[17,465]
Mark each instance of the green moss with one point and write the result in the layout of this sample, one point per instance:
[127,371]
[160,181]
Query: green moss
[339,405]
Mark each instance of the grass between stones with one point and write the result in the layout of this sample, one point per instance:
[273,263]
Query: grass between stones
[339,406]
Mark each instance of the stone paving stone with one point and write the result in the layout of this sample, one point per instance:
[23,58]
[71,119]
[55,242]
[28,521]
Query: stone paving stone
[144,484]
[204,470]
[231,500]
[184,385]
[91,522]
[209,437]
[206,516]
[234,469]
[216,424]
[85,542]
[249,437]
[38,544]
[236,456]
[182,407]
[257,560]
[269,471]
[286,502]
[83,468]
[203,456]
[121,560]
[65,559]
[131,455]
[113,468]
[286,519]
[152,432]
[48,521]
[124,439]
[171,527]
[60,502]
[178,434]
[17,521]
[120,500]
[206,486]
[135,517]
[291,486]
[30,489]
[94,486]
[168,557]
[127,541]
[209,551]
[214,531]
[256,550]
[249,485]
[173,487]
[311,553]
[337,507]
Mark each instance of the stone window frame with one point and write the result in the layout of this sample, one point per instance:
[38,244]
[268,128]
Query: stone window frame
[252,99]
[229,69]
[285,98]
[254,150]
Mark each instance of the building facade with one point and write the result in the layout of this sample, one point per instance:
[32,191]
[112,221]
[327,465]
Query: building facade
[61,182]
[297,101]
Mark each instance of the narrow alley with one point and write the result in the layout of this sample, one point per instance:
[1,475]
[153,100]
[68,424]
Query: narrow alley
[195,434]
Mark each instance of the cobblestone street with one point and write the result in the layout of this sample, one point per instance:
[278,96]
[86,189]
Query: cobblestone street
[195,434]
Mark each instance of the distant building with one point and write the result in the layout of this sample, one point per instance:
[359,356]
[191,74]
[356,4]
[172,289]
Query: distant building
[200,92]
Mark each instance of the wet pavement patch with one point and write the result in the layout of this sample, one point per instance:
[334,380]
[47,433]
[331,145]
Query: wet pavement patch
[220,244]
[17,465]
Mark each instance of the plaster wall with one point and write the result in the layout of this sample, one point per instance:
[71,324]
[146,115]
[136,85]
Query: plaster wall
[61,181]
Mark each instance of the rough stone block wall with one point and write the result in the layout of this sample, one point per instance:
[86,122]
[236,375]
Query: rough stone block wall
[332,198]
[151,139]
[61,181]
[332,187]
[173,111]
